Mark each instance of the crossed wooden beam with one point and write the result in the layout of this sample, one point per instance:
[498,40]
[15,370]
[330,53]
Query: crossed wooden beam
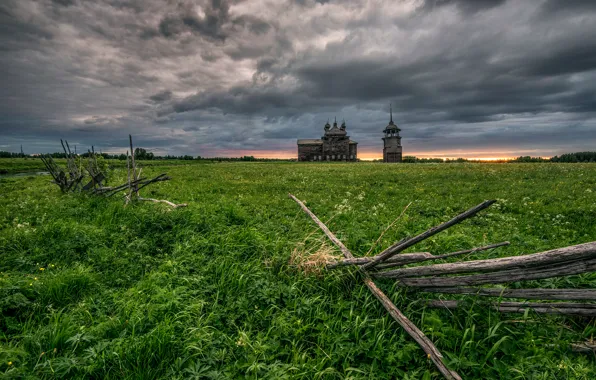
[554,263]
[426,344]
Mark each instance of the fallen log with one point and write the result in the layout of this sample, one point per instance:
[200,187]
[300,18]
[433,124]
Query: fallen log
[425,343]
[113,190]
[567,308]
[174,205]
[541,294]
[403,259]
[140,181]
[399,247]
[389,263]
[159,178]
[575,252]
[585,347]
[410,258]
[506,276]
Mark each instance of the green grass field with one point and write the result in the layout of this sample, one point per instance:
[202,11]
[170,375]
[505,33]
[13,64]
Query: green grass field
[92,289]
[29,164]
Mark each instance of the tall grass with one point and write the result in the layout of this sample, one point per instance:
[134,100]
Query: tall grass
[92,289]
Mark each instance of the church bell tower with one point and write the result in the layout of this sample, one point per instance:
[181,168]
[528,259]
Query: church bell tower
[392,141]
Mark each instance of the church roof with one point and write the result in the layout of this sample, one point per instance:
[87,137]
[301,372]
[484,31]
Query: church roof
[336,131]
[310,141]
[353,142]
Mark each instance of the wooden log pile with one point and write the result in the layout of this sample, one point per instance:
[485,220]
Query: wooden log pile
[466,278]
[66,182]
[70,179]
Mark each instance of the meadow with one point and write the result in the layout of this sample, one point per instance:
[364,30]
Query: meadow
[92,289]
[31,164]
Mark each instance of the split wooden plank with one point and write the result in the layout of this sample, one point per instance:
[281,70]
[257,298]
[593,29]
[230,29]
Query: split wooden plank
[399,247]
[501,277]
[410,258]
[425,343]
[390,264]
[567,308]
[540,294]
[572,253]
[403,259]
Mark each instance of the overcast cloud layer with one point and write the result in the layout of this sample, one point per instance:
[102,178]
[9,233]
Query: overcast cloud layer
[471,78]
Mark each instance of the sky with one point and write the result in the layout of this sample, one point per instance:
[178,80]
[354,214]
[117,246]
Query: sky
[466,78]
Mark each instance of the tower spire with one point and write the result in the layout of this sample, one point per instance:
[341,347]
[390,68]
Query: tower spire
[390,114]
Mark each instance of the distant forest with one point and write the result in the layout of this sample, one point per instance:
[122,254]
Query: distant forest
[568,157]
[142,154]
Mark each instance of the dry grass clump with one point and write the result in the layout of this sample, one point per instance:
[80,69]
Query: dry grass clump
[312,263]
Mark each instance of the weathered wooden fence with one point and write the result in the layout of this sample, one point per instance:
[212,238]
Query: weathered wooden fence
[456,278]
[71,178]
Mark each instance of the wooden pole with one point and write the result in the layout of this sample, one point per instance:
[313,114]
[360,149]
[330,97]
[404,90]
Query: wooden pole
[540,294]
[575,252]
[128,176]
[399,247]
[501,277]
[568,308]
[50,168]
[426,344]
[403,259]
[409,258]
[388,264]
[134,167]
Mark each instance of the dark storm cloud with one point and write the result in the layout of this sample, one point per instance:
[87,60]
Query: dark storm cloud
[468,6]
[223,76]
[185,18]
[161,96]
[254,24]
[572,6]
[576,57]
[64,3]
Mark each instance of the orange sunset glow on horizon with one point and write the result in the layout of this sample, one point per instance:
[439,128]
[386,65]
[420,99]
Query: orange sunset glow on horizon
[371,155]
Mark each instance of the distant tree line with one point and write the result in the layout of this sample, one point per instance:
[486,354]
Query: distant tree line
[142,154]
[417,160]
[4,154]
[568,157]
[243,158]
[575,157]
